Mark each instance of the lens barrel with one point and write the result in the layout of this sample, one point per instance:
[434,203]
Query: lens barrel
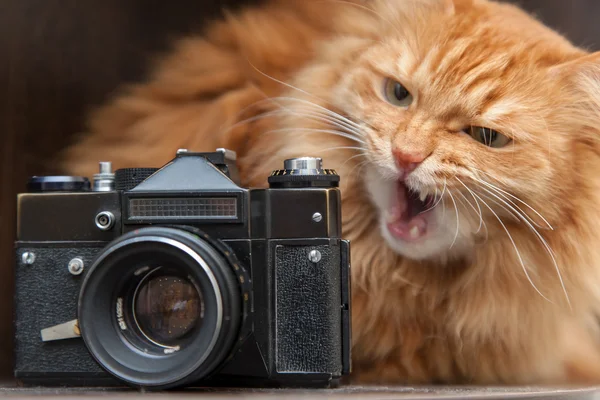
[161,307]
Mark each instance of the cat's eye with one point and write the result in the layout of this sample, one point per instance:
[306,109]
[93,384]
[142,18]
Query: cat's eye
[396,94]
[489,137]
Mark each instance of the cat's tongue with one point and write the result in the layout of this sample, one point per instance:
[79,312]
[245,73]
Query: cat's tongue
[407,218]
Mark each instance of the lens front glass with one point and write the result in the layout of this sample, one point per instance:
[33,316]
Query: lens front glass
[167,308]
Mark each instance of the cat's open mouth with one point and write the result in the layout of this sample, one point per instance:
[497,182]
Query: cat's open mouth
[408,217]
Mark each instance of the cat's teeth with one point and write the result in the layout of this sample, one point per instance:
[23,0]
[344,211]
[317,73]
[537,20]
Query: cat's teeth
[423,197]
[390,216]
[415,232]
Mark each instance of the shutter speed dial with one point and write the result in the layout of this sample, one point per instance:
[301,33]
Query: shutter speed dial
[303,172]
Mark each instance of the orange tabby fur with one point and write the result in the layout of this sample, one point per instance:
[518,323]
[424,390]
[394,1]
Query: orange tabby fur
[469,314]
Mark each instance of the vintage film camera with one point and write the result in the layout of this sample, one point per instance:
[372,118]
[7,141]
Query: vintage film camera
[177,277]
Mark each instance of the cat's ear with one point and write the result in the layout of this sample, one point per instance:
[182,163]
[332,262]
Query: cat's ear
[586,66]
[580,90]
[582,73]
[449,7]
[453,6]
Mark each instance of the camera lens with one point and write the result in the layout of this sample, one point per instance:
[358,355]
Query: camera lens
[162,307]
[167,308]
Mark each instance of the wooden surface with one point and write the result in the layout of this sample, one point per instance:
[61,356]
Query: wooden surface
[402,393]
[61,57]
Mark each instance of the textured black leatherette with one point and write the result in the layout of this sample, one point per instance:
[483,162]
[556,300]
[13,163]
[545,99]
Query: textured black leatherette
[46,295]
[308,297]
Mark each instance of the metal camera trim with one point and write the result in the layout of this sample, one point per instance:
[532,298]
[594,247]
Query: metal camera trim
[303,163]
[104,180]
[111,220]
[213,282]
[76,266]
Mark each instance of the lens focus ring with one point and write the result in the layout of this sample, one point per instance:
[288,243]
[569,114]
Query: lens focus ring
[189,331]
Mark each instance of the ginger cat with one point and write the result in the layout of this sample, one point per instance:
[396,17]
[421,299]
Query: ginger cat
[467,136]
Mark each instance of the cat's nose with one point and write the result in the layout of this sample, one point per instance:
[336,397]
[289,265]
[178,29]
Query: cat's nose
[406,161]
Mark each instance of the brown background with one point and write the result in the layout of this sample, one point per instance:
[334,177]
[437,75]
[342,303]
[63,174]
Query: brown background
[58,58]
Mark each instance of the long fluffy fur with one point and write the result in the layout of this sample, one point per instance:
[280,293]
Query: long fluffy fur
[480,312]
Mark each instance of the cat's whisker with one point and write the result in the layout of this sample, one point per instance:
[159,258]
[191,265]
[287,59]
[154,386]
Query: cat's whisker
[320,113]
[498,192]
[269,99]
[511,196]
[360,166]
[284,83]
[515,214]
[457,219]
[462,200]
[351,136]
[324,109]
[274,99]
[314,115]
[348,177]
[364,164]
[324,118]
[277,101]
[437,199]
[433,206]
[252,119]
[509,212]
[477,203]
[515,218]
[315,108]
[442,197]
[506,196]
[359,149]
[317,115]
[339,148]
[544,243]
[280,112]
[477,210]
[554,262]
[249,106]
[312,130]
[363,154]
[516,249]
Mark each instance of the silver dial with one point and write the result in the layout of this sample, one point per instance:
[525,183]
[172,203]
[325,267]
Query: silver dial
[303,172]
[104,180]
[303,163]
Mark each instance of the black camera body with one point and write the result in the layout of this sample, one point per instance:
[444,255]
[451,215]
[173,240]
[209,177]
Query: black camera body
[178,276]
